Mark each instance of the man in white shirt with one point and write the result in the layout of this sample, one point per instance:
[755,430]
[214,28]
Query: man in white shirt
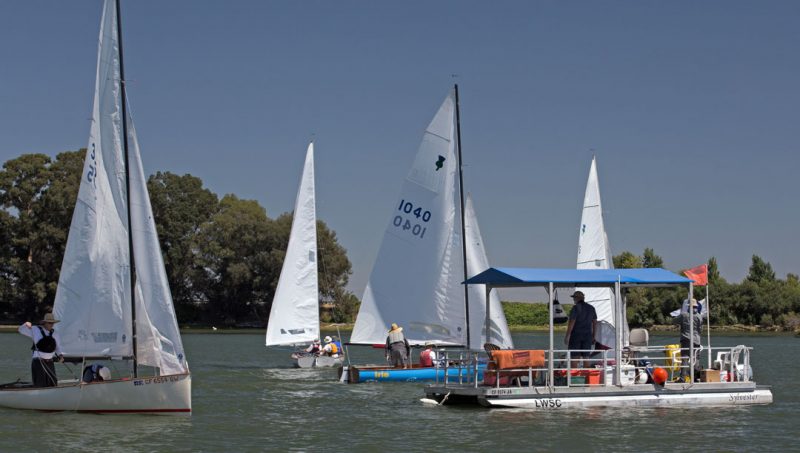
[45,349]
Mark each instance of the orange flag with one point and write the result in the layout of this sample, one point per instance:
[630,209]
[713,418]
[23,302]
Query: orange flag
[699,274]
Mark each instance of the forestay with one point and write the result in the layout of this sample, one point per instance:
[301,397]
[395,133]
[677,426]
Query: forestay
[294,316]
[93,298]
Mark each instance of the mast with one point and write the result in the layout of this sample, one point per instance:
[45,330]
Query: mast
[123,98]
[463,225]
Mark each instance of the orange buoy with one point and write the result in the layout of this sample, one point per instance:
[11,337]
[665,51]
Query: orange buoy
[660,376]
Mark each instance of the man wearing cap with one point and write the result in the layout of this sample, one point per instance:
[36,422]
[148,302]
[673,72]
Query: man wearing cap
[45,350]
[581,328]
[397,347]
[314,347]
[96,373]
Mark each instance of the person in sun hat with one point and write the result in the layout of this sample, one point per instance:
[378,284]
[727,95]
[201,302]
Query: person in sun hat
[45,349]
[580,329]
[397,347]
[331,348]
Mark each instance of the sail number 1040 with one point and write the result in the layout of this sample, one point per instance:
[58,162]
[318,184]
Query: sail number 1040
[411,223]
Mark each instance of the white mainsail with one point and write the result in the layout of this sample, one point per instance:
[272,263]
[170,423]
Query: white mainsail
[93,294]
[93,298]
[477,262]
[595,253]
[294,316]
[416,279]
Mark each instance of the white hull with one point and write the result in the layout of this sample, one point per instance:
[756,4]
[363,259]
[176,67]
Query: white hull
[170,395]
[317,362]
[634,395]
[759,396]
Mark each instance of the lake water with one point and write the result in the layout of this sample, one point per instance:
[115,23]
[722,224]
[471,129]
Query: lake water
[247,398]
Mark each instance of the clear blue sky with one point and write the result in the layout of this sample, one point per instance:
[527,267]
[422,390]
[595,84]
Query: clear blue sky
[691,108]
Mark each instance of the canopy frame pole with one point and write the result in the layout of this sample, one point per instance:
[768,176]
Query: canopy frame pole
[550,373]
[691,334]
[488,322]
[617,331]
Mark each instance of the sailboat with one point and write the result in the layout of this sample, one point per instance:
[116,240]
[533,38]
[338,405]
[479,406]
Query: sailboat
[294,316]
[416,280]
[594,252]
[113,297]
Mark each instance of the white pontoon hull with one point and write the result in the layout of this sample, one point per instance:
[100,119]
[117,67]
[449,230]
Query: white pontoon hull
[636,395]
[169,395]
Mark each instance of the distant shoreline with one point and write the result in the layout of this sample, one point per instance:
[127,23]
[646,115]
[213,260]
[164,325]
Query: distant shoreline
[738,328]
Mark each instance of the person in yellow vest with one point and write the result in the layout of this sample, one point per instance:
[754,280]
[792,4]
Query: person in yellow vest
[331,348]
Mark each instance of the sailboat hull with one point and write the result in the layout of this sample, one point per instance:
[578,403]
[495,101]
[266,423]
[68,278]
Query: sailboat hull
[355,374]
[166,395]
[310,361]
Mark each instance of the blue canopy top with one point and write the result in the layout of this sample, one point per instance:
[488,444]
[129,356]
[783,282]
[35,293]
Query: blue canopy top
[518,276]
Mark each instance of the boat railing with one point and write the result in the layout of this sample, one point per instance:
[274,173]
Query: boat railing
[570,369]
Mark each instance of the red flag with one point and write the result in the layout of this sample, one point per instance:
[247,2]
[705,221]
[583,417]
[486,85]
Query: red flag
[699,274]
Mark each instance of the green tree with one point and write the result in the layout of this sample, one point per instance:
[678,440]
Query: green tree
[760,271]
[181,205]
[627,260]
[233,249]
[651,260]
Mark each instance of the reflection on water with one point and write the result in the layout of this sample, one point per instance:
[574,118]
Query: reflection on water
[249,398]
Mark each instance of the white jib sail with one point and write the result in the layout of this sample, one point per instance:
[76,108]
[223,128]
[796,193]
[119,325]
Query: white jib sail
[93,295]
[416,279]
[158,337]
[294,316]
[477,262]
[594,253]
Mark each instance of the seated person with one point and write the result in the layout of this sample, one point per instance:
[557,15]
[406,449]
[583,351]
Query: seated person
[314,347]
[331,348]
[96,373]
[428,356]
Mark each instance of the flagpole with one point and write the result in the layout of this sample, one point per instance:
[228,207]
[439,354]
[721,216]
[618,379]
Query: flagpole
[708,317]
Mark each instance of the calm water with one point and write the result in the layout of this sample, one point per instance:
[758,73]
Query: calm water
[246,398]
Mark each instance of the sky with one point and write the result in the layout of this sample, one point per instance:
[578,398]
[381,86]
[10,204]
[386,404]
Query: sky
[690,107]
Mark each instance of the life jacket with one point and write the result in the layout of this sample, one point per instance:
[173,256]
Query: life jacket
[338,345]
[395,336]
[425,358]
[46,344]
[334,348]
[92,373]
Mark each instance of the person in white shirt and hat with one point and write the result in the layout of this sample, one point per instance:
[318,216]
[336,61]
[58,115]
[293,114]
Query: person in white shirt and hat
[45,349]
[331,348]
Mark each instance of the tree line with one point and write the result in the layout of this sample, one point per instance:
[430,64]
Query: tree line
[223,256]
[761,299]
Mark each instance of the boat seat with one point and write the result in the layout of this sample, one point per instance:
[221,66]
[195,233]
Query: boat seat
[639,339]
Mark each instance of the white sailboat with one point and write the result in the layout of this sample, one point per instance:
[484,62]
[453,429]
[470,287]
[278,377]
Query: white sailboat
[417,277]
[113,242]
[294,316]
[594,253]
